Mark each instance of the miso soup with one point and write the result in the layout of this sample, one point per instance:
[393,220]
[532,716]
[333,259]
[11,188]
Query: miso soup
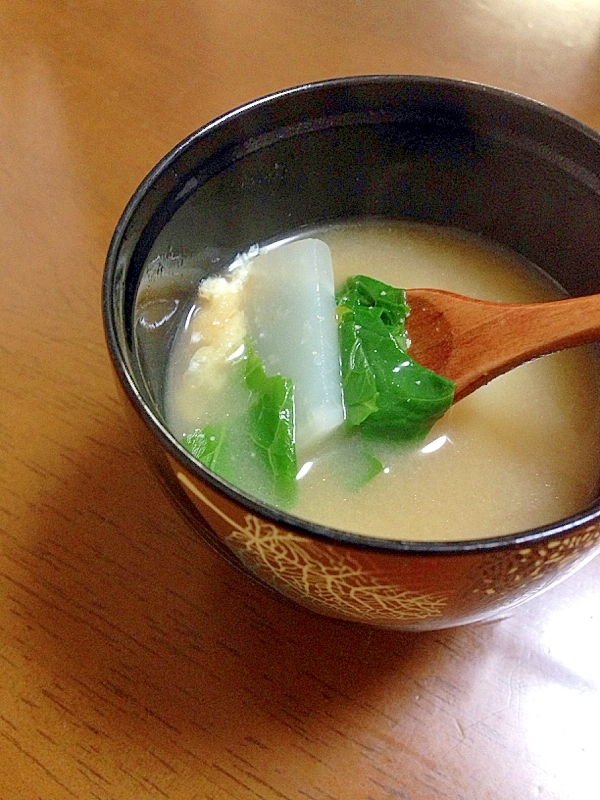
[518,453]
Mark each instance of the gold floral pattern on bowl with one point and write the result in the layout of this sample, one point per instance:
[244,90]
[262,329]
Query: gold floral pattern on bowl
[403,590]
[320,576]
[536,565]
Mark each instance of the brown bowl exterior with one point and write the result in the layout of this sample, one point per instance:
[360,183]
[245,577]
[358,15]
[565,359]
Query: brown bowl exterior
[424,149]
[405,590]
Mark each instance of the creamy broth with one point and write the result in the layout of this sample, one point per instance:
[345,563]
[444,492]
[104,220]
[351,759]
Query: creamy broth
[518,453]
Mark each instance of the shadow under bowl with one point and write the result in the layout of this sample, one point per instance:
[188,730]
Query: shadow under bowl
[423,149]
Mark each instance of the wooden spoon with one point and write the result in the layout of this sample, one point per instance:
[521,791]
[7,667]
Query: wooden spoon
[473,341]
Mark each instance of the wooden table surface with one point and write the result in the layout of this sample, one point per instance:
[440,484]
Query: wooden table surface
[134,663]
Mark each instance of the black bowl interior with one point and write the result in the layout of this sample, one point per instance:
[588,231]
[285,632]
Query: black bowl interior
[422,149]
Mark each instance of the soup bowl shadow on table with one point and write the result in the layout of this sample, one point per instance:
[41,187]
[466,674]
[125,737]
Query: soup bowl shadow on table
[424,149]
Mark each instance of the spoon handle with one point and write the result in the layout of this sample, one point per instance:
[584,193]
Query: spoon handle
[473,341]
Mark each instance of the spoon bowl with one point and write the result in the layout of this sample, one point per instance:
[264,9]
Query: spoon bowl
[473,341]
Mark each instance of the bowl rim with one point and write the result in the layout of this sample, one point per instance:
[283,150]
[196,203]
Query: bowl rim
[330,535]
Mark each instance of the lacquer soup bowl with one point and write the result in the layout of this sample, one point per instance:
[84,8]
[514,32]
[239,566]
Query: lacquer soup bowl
[424,149]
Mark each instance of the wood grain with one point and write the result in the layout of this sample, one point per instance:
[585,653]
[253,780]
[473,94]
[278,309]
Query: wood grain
[472,341]
[133,662]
